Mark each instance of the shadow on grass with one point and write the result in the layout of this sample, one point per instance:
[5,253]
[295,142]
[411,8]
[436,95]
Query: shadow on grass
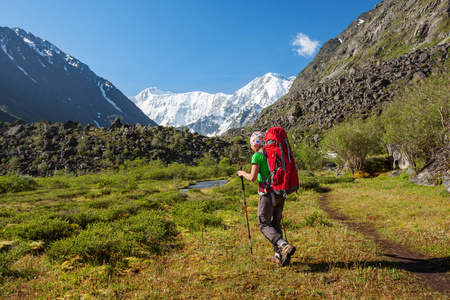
[423,266]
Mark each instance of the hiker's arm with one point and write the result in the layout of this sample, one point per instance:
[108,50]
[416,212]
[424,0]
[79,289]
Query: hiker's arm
[253,175]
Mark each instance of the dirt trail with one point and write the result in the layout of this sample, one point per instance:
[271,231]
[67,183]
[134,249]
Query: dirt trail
[433,272]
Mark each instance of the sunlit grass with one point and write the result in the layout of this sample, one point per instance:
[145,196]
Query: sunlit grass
[414,215]
[213,260]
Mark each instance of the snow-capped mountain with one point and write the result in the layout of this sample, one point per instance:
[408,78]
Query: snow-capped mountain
[39,81]
[213,114]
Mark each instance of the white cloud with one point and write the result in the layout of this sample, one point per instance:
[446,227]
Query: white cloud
[304,46]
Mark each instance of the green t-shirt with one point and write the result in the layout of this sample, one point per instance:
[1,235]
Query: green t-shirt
[259,159]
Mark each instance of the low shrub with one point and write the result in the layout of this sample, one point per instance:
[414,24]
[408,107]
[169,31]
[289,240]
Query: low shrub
[120,211]
[335,179]
[197,214]
[40,228]
[8,258]
[315,219]
[308,183]
[361,174]
[169,197]
[83,218]
[110,242]
[99,243]
[150,228]
[54,182]
[16,183]
[100,203]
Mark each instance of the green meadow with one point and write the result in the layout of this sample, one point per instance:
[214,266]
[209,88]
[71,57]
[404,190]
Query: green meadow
[132,234]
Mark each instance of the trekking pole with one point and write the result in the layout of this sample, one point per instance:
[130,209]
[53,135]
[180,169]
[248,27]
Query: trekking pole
[246,214]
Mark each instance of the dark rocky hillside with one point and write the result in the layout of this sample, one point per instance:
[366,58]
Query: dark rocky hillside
[360,70]
[360,93]
[392,28]
[43,148]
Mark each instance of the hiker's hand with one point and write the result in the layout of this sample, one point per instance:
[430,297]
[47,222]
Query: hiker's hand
[238,173]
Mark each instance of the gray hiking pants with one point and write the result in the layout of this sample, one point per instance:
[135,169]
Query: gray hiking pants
[270,210]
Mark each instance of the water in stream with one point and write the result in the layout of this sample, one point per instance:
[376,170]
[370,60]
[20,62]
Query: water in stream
[205,184]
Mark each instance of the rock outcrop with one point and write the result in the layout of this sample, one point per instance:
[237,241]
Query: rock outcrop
[437,171]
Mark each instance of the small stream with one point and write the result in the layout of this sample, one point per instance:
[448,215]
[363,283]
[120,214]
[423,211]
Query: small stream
[205,185]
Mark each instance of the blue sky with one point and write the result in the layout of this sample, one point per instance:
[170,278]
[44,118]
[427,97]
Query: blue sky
[185,45]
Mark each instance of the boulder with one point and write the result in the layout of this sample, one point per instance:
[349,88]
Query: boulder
[437,171]
[399,159]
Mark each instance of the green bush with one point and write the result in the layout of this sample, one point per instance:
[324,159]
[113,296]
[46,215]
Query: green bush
[308,183]
[83,218]
[150,228]
[99,243]
[307,156]
[315,219]
[197,214]
[54,182]
[106,182]
[16,183]
[100,203]
[169,197]
[354,141]
[110,242]
[334,179]
[120,211]
[377,166]
[40,228]
[8,258]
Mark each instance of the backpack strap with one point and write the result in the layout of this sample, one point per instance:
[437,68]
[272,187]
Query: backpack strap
[266,184]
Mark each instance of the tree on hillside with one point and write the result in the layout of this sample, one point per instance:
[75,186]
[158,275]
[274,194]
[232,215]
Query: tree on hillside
[419,120]
[353,141]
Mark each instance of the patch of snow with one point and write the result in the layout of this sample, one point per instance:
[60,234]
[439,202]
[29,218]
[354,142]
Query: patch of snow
[107,99]
[45,53]
[72,61]
[360,21]
[22,70]
[42,63]
[6,51]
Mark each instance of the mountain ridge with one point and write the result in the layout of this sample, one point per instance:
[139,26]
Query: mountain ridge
[40,81]
[213,114]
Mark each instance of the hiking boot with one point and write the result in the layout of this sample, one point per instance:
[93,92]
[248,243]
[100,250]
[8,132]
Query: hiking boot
[287,250]
[276,259]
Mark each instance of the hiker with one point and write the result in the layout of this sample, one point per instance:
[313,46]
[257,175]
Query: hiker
[270,207]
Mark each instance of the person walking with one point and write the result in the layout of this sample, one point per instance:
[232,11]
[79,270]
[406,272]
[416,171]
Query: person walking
[270,206]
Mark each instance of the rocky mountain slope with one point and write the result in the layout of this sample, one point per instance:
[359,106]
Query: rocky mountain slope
[354,74]
[213,114]
[392,28]
[39,81]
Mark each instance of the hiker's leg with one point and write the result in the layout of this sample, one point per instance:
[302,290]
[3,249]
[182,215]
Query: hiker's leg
[265,217]
[276,219]
[278,214]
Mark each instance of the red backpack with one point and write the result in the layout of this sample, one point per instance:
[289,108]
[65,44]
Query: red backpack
[283,172]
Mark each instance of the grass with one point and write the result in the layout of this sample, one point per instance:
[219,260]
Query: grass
[413,215]
[147,240]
